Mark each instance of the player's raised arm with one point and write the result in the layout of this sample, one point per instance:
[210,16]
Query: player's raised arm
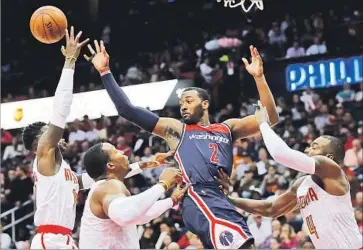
[141,117]
[62,100]
[247,126]
[318,165]
[131,210]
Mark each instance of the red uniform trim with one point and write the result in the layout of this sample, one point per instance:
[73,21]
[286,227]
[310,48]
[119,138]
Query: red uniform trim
[54,229]
[217,127]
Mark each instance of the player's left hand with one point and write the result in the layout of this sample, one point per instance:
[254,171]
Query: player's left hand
[261,114]
[179,193]
[159,159]
[223,181]
[255,68]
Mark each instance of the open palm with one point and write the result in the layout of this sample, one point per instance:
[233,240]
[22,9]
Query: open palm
[99,58]
[255,68]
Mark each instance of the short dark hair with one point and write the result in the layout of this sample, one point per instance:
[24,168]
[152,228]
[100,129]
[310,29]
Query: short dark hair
[202,93]
[337,147]
[95,161]
[30,134]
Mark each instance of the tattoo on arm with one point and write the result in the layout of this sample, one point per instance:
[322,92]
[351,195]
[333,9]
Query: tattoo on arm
[172,133]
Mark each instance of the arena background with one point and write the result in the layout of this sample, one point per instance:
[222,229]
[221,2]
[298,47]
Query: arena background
[317,86]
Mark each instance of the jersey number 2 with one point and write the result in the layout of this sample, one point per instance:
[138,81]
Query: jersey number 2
[214,158]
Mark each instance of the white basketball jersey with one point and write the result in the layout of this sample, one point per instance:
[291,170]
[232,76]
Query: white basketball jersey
[55,197]
[99,233]
[329,218]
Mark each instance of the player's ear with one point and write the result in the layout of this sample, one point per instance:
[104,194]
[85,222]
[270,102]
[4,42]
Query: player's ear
[205,104]
[330,156]
[110,165]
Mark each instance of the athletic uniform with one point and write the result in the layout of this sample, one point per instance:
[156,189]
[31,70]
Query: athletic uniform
[329,218]
[206,210]
[55,198]
[99,233]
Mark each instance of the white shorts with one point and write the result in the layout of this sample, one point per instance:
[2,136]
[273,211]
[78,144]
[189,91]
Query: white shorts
[52,241]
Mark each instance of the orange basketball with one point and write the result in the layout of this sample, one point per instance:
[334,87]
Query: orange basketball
[48,24]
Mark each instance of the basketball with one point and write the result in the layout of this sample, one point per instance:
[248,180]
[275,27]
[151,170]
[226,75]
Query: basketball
[48,24]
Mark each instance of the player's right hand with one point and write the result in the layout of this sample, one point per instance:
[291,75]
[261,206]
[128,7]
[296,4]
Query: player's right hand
[99,58]
[170,176]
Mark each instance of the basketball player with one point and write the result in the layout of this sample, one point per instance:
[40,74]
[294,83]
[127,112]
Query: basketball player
[201,148]
[55,184]
[110,214]
[323,196]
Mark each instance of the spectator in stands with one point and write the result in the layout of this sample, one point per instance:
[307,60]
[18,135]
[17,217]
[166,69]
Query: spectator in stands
[76,133]
[317,48]
[354,156]
[15,149]
[261,229]
[295,51]
[275,35]
[207,71]
[288,237]
[322,119]
[345,95]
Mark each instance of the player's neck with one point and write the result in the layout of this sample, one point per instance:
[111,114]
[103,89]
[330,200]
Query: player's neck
[114,176]
[204,121]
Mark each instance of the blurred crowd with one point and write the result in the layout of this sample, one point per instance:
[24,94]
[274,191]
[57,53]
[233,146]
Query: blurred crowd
[160,50]
[303,117]
[152,49]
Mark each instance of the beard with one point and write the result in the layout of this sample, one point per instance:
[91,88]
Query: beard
[196,116]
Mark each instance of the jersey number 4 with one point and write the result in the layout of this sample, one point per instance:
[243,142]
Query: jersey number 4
[214,147]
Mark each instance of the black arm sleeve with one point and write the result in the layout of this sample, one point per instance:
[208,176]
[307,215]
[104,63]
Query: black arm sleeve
[141,117]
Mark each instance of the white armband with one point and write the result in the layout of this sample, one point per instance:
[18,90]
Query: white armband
[283,154]
[62,99]
[134,170]
[87,181]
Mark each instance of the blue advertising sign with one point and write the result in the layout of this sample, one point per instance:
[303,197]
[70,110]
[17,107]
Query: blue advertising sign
[324,74]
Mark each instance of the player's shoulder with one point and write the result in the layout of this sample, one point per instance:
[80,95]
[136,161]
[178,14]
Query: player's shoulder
[297,183]
[110,187]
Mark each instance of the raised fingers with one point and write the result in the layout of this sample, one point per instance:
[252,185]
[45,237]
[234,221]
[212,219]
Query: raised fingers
[72,33]
[67,36]
[244,60]
[86,57]
[78,36]
[80,45]
[97,46]
[91,49]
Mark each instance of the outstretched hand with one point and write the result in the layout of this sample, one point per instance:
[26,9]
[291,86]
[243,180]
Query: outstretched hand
[73,46]
[255,68]
[99,58]
[159,159]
